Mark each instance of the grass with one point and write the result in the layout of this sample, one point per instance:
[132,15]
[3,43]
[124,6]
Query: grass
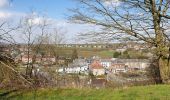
[86,52]
[154,92]
[106,53]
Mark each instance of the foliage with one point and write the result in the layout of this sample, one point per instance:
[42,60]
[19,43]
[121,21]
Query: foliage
[116,54]
[74,54]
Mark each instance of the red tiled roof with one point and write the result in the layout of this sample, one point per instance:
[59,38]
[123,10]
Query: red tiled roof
[96,65]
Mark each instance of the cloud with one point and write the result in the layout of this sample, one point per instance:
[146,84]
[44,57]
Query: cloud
[70,29]
[36,21]
[5,15]
[40,21]
[73,29]
[4,3]
[10,15]
[112,3]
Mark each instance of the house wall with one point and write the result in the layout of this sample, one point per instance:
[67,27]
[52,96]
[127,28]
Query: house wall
[25,60]
[117,70]
[98,72]
[139,65]
[106,64]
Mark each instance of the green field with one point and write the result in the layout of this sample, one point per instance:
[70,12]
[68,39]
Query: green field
[86,52]
[154,92]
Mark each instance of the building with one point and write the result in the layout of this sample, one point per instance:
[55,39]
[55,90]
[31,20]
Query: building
[136,64]
[106,63]
[96,68]
[118,67]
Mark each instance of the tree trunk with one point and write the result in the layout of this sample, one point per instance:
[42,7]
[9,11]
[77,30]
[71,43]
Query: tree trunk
[164,68]
[160,44]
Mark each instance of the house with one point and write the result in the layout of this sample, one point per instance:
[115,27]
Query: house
[25,59]
[48,59]
[95,57]
[89,60]
[79,62]
[60,70]
[5,48]
[61,61]
[73,70]
[96,68]
[35,58]
[121,50]
[78,66]
[118,67]
[106,63]
[136,64]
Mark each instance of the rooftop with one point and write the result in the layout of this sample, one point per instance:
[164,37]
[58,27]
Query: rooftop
[96,65]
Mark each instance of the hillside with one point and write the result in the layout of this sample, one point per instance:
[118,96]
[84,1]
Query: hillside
[154,92]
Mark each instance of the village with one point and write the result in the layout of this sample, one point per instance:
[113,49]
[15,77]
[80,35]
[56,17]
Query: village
[100,69]
[98,66]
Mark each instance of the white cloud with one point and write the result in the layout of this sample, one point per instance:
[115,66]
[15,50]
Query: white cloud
[74,29]
[10,15]
[113,3]
[70,28]
[35,21]
[5,15]
[40,21]
[4,3]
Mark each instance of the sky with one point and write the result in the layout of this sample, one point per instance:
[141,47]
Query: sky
[56,10]
[53,8]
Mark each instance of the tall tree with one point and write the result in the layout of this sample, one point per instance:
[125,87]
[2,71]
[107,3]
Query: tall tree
[138,20]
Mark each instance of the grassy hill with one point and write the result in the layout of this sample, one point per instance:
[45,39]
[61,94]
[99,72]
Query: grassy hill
[154,92]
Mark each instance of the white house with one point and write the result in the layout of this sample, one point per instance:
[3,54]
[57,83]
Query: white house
[78,66]
[106,63]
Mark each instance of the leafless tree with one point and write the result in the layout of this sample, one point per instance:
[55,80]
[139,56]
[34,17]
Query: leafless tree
[33,26]
[27,28]
[58,37]
[5,32]
[8,69]
[138,20]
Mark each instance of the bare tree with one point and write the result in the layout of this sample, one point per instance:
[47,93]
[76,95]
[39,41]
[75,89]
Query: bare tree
[49,42]
[27,29]
[33,27]
[9,73]
[138,20]
[5,32]
[58,37]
